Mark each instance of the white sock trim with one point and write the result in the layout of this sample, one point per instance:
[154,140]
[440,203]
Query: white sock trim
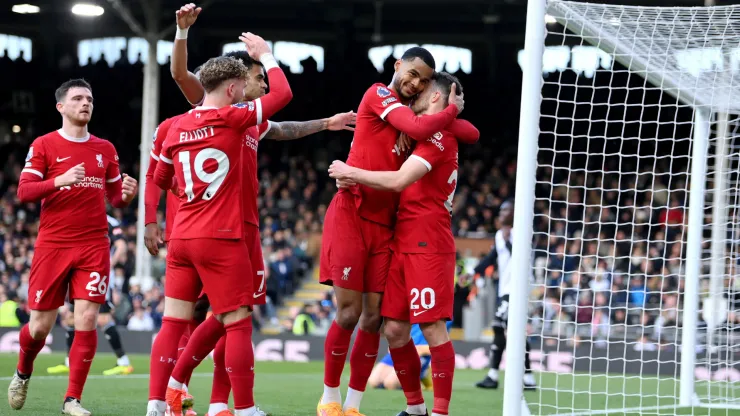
[331,395]
[214,408]
[417,409]
[174,384]
[353,399]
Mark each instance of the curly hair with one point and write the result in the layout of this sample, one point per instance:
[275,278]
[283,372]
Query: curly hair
[220,69]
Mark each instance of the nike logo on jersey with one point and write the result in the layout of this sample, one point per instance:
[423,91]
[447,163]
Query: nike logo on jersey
[62,159]
[256,295]
[419,313]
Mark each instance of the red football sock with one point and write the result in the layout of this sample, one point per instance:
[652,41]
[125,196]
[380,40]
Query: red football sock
[407,364]
[202,342]
[30,348]
[221,384]
[443,371]
[240,358]
[164,356]
[183,342]
[362,360]
[80,359]
[335,353]
[192,326]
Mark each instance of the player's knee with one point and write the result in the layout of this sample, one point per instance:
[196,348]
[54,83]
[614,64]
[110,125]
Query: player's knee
[435,333]
[348,316]
[397,333]
[86,319]
[370,321]
[40,329]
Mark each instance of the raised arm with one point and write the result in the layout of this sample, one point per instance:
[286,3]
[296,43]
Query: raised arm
[419,128]
[393,181]
[291,130]
[464,131]
[188,83]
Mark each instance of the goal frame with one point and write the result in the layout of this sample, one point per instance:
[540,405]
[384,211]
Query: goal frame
[529,131]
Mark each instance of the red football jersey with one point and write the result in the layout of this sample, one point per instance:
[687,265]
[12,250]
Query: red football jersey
[204,150]
[251,181]
[374,148]
[172,200]
[73,215]
[424,215]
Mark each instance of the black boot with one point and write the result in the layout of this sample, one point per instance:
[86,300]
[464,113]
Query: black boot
[487,383]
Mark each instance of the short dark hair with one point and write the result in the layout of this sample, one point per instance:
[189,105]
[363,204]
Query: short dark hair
[421,53]
[219,69]
[245,58]
[61,92]
[443,81]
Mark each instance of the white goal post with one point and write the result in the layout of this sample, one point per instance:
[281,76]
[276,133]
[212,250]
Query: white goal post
[627,213]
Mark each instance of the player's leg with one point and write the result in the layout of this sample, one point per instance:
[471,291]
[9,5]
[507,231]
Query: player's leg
[202,342]
[107,324]
[199,315]
[181,292]
[365,349]
[223,272]
[430,284]
[66,314]
[88,289]
[443,364]
[490,381]
[221,387]
[397,330]
[343,258]
[47,289]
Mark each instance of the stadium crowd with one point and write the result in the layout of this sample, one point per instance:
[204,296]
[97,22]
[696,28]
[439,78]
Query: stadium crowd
[586,278]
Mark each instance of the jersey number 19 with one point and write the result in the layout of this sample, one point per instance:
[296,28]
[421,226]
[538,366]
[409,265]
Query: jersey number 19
[213,179]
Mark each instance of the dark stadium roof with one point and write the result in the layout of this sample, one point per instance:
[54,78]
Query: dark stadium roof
[453,20]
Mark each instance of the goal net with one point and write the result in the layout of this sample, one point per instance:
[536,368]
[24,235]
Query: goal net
[635,255]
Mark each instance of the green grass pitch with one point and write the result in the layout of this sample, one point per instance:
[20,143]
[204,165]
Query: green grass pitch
[287,389]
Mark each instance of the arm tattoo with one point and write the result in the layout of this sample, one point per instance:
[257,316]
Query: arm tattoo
[291,130]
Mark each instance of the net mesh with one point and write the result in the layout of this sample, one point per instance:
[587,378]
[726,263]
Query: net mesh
[611,211]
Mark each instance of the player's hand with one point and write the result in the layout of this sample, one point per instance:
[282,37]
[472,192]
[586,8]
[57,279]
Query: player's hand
[152,238]
[187,15]
[403,142]
[458,100]
[342,121]
[74,175]
[345,183]
[340,170]
[130,186]
[256,46]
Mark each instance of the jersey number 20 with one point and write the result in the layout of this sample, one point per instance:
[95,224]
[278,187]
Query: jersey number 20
[213,179]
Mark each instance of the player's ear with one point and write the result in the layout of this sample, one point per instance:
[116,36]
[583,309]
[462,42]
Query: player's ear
[59,107]
[397,65]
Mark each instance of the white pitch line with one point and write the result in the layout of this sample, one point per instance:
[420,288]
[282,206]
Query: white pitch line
[146,376]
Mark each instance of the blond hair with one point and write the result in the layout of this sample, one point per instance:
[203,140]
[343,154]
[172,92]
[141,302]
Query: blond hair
[219,70]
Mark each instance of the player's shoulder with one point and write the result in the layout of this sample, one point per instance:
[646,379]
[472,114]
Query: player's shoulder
[50,136]
[380,91]
[104,146]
